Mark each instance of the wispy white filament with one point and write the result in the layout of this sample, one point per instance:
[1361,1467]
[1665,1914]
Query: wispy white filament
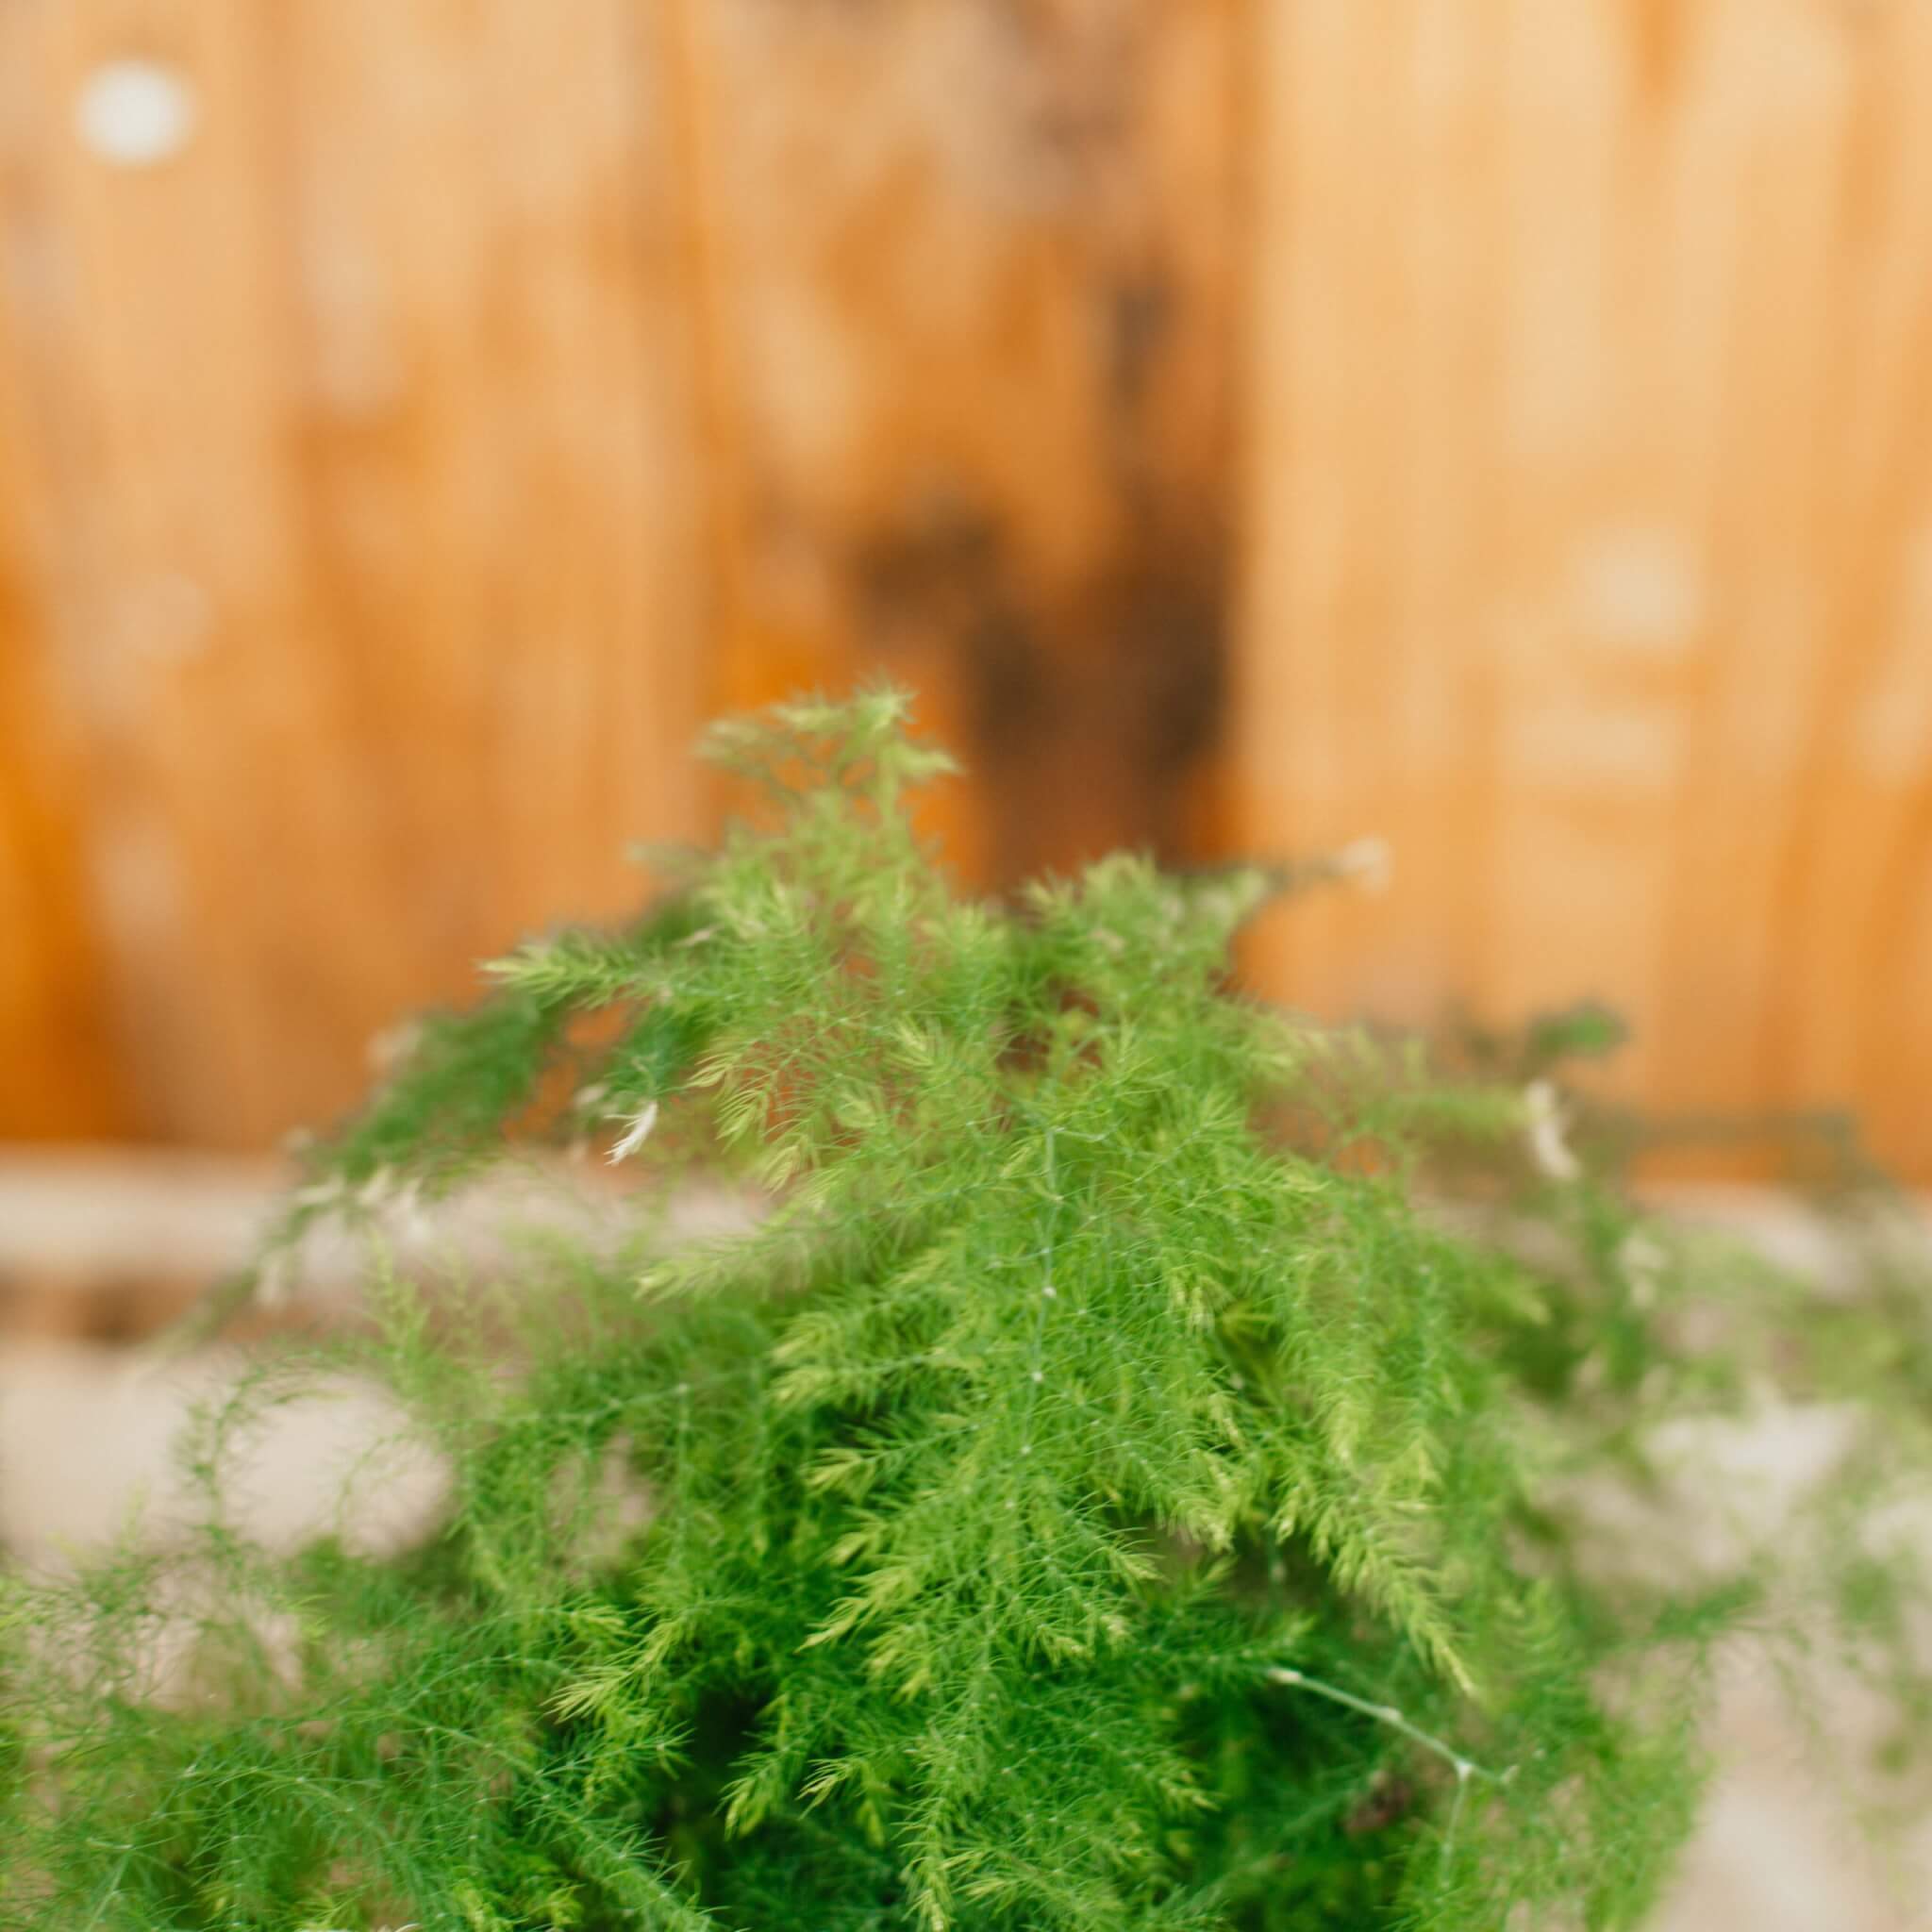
[1547,1146]
[636,1134]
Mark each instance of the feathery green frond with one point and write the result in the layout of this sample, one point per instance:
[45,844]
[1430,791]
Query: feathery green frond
[1092,1494]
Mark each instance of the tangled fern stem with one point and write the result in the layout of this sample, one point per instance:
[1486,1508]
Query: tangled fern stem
[928,1549]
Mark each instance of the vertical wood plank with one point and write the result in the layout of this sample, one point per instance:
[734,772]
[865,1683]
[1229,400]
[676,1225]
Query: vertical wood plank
[1583,755]
[1664,741]
[1779,82]
[1365,694]
[968,279]
[497,457]
[60,1075]
[380,646]
[1848,1018]
[163,349]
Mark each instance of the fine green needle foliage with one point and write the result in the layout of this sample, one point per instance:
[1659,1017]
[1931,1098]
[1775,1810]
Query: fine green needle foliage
[1132,1470]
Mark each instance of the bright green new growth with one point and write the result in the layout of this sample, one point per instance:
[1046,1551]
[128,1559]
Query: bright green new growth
[1090,1497]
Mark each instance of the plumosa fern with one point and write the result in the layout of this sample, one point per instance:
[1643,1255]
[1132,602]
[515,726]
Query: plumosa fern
[1090,1495]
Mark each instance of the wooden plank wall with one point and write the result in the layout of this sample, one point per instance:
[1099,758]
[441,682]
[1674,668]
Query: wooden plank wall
[1495,426]
[355,432]
[1589,528]
[966,284]
[485,393]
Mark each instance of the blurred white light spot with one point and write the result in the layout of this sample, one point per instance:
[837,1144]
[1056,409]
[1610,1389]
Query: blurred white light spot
[168,618]
[1639,588]
[1892,728]
[1368,862]
[135,113]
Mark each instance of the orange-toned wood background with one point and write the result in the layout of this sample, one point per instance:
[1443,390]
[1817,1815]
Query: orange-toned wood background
[1501,427]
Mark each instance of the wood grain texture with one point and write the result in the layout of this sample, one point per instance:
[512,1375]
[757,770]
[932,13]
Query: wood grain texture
[364,415]
[482,396]
[967,278]
[1539,390]
[60,1075]
[1587,527]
